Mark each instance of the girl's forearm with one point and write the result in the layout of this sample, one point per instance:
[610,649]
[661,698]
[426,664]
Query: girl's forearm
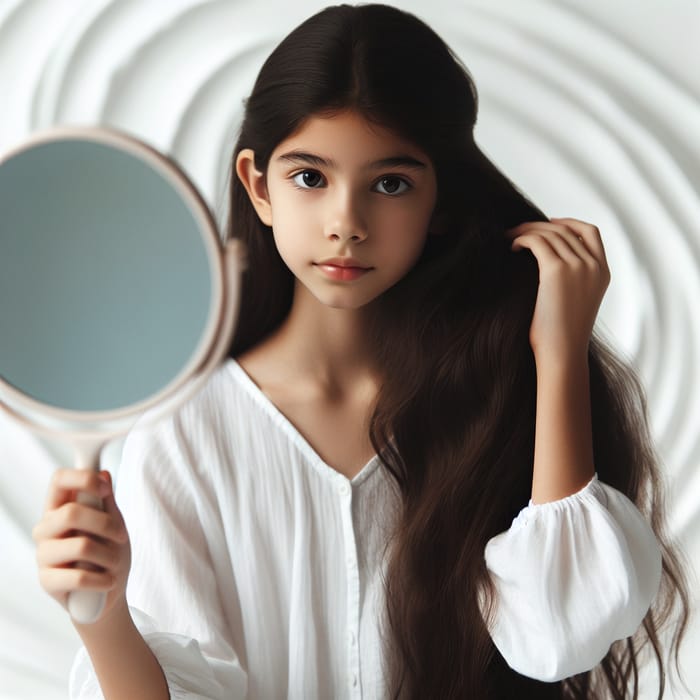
[125,665]
[563,435]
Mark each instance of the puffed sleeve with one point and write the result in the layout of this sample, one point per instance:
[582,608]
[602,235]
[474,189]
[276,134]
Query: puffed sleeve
[172,591]
[572,576]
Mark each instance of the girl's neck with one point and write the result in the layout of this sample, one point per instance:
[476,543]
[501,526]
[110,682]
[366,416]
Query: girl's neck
[323,347]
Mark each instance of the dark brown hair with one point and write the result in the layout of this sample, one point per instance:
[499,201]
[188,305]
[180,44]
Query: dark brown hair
[451,338]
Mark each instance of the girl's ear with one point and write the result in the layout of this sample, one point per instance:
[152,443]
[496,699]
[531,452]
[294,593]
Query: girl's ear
[254,182]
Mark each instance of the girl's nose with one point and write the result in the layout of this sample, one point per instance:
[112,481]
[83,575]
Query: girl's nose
[346,221]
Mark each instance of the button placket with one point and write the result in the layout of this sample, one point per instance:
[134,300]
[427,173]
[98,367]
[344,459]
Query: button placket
[353,610]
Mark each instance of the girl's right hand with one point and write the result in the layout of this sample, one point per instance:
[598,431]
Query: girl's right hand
[69,532]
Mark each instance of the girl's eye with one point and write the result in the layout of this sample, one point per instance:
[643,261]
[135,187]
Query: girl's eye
[391,184]
[307,179]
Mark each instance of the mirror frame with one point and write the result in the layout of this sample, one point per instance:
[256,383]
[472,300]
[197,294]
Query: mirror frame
[176,177]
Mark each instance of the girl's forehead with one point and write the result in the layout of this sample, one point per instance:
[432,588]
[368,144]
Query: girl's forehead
[347,134]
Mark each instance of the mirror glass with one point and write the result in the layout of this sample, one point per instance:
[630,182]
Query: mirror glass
[106,281]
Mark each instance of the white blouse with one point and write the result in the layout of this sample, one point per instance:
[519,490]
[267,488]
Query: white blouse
[256,567]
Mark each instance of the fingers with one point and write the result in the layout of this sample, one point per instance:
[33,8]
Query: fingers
[69,517]
[558,247]
[542,247]
[81,547]
[66,482]
[589,233]
[59,582]
[76,517]
[570,239]
[65,552]
[562,241]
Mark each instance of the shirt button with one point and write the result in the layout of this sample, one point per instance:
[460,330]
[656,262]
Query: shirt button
[354,680]
[352,638]
[343,489]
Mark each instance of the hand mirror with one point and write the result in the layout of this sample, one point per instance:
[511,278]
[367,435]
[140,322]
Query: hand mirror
[117,296]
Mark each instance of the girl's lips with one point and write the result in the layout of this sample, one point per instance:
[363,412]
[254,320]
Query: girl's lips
[344,274]
[343,261]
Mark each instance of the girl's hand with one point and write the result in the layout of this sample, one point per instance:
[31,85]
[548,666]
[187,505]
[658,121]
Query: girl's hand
[70,532]
[574,275]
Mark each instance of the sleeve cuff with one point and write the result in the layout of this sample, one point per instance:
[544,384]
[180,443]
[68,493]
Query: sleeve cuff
[189,674]
[572,576]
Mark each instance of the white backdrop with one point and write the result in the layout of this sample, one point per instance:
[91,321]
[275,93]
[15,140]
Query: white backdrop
[592,108]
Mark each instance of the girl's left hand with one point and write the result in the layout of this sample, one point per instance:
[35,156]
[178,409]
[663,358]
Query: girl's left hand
[574,275]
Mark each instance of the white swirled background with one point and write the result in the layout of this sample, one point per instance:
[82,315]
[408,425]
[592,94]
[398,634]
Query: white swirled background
[591,107]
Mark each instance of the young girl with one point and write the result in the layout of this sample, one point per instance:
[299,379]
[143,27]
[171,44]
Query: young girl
[419,474]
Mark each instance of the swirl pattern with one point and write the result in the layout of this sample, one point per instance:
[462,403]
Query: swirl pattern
[575,107]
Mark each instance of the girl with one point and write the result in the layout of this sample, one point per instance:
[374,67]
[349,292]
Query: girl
[419,474]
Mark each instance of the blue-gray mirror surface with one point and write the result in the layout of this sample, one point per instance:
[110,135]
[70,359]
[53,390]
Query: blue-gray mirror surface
[105,281]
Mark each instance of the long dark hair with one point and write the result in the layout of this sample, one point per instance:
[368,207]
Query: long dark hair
[454,419]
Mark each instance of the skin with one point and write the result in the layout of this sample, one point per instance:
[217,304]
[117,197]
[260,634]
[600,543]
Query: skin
[359,191]
[348,211]
[574,276]
[59,539]
[70,532]
[344,212]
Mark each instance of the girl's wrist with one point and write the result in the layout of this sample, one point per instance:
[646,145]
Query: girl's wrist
[115,620]
[548,359]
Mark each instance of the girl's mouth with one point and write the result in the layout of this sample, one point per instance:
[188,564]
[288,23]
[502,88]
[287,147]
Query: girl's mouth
[344,274]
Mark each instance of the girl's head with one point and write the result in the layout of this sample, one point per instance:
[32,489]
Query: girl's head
[384,67]
[340,186]
[380,62]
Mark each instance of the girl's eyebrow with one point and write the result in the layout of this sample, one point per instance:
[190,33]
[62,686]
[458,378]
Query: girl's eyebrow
[392,162]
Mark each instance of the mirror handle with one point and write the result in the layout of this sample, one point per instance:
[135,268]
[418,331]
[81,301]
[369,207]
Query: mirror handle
[86,606]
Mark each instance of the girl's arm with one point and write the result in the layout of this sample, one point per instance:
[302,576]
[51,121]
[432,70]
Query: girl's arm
[574,275]
[123,662]
[580,565]
[70,531]
[563,436]
[174,595]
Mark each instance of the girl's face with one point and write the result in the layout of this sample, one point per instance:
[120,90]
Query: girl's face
[340,187]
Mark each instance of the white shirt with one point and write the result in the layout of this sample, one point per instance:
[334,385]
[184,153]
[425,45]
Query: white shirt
[256,567]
